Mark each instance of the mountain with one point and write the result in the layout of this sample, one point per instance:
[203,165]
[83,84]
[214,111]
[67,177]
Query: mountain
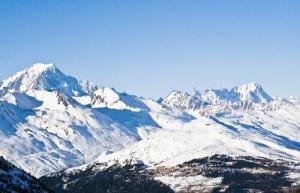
[255,140]
[106,97]
[42,77]
[53,125]
[212,101]
[270,134]
[44,129]
[87,86]
[48,131]
[110,98]
[243,122]
[252,92]
[13,179]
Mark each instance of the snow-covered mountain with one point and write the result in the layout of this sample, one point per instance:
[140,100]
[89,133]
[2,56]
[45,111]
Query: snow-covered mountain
[106,97]
[45,127]
[270,134]
[264,134]
[110,98]
[48,131]
[50,121]
[87,86]
[212,101]
[42,77]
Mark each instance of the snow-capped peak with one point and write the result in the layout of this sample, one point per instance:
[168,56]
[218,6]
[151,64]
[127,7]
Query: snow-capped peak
[87,86]
[42,77]
[244,97]
[250,86]
[110,98]
[252,92]
[182,100]
[40,67]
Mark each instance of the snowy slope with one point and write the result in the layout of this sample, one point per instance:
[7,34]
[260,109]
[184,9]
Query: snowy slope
[264,134]
[43,129]
[45,126]
[270,134]
[106,97]
[50,121]
[49,131]
[266,127]
[267,133]
[136,113]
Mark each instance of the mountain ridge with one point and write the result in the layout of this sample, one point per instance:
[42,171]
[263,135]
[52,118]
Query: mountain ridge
[50,122]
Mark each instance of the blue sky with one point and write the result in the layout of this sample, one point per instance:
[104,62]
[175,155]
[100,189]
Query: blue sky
[152,47]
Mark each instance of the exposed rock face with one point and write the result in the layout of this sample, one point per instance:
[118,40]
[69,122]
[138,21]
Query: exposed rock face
[87,86]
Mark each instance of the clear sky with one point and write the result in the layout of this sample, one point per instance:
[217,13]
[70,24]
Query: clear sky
[152,47]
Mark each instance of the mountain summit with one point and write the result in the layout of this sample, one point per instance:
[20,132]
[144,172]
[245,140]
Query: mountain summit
[42,77]
[253,92]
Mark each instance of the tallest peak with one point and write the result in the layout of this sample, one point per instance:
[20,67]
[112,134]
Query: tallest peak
[46,65]
[42,76]
[251,86]
[42,66]
[253,92]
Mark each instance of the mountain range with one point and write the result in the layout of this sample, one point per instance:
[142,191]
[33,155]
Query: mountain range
[56,127]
